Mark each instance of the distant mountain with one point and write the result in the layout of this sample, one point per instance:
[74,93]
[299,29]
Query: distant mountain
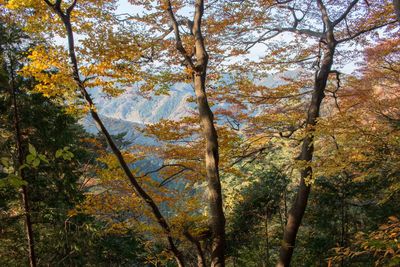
[130,111]
[133,107]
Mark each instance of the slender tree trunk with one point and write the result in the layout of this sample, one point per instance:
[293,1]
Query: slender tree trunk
[286,207]
[199,68]
[201,261]
[20,156]
[65,17]
[267,238]
[344,215]
[217,219]
[28,226]
[342,187]
[296,213]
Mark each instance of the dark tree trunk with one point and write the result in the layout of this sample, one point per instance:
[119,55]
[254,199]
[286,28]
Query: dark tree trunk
[20,157]
[267,256]
[296,213]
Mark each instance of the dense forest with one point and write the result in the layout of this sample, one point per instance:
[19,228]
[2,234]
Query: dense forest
[200,133]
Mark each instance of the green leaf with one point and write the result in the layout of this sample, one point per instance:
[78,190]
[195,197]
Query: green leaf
[36,163]
[15,180]
[43,158]
[32,150]
[4,161]
[30,158]
[59,153]
[23,166]
[67,155]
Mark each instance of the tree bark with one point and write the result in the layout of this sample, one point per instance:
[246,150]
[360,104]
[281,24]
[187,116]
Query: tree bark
[267,238]
[217,219]
[65,17]
[296,213]
[20,157]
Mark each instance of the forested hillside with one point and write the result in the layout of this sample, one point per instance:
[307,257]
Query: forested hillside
[200,133]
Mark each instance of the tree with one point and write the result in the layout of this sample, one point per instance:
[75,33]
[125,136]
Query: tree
[198,69]
[331,26]
[11,49]
[189,45]
[57,162]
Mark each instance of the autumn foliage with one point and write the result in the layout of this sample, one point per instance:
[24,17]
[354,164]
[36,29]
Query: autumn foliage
[288,153]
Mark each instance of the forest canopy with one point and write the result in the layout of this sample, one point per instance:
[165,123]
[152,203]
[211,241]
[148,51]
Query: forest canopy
[199,133]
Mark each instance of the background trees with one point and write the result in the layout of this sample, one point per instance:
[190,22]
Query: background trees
[55,186]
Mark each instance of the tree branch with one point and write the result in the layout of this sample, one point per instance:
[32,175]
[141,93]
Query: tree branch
[345,13]
[178,40]
[71,7]
[365,31]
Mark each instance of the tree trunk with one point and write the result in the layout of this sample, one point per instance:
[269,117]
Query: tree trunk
[201,261]
[267,238]
[21,156]
[217,219]
[199,68]
[297,211]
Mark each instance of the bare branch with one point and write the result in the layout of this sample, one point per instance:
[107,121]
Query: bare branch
[366,31]
[162,167]
[253,154]
[178,40]
[170,178]
[48,3]
[58,4]
[345,13]
[325,15]
[71,7]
